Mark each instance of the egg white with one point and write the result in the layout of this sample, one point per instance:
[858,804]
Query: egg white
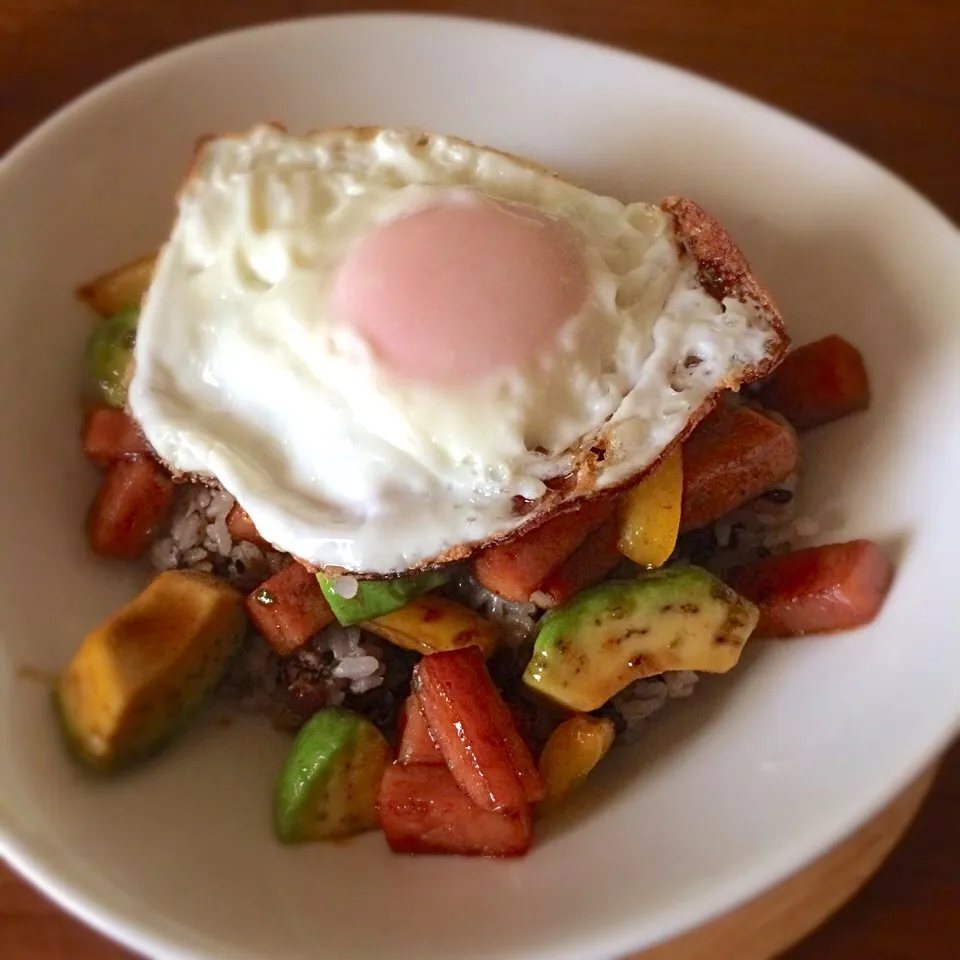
[243,374]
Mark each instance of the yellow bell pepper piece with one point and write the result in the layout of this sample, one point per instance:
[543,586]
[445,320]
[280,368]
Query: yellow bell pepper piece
[650,514]
[431,623]
[119,289]
[572,751]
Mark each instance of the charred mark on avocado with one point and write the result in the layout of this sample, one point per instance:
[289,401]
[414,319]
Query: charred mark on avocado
[669,619]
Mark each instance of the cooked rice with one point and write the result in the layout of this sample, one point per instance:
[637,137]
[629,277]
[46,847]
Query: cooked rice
[198,539]
[517,621]
[347,665]
[766,526]
[642,699]
[335,664]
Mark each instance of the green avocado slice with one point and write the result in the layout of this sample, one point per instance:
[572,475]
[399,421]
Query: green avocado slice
[675,618]
[110,353]
[142,673]
[376,598]
[328,787]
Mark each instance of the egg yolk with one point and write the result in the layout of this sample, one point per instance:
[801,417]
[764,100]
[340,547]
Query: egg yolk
[459,289]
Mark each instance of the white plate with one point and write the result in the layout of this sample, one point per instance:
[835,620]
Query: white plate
[759,773]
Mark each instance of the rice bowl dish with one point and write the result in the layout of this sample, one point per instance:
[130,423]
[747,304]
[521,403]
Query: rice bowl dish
[496,498]
[794,748]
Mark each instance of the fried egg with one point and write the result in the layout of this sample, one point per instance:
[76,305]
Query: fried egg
[393,347]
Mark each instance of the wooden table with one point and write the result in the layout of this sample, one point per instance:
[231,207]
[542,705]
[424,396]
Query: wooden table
[881,74]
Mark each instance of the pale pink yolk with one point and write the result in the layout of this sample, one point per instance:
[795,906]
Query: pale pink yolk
[462,288]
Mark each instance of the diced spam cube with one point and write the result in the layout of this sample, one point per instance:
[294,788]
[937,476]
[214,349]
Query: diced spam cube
[475,730]
[816,590]
[109,434]
[591,562]
[516,569]
[817,383]
[132,503]
[732,457]
[289,608]
[240,527]
[422,810]
[417,744]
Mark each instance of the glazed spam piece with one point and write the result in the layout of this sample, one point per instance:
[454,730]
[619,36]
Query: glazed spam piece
[130,508]
[466,782]
[818,590]
[818,383]
[109,435]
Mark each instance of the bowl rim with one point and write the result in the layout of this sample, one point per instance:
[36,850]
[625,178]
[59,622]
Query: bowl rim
[39,868]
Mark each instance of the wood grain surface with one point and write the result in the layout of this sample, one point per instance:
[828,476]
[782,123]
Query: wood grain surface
[882,74]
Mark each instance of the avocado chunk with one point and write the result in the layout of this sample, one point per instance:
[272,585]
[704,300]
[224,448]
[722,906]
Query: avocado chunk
[139,675]
[110,355]
[376,598]
[677,618]
[329,785]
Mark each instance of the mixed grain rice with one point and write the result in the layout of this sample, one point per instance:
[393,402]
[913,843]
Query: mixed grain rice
[348,666]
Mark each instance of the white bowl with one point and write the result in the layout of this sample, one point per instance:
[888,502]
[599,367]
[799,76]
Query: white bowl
[729,792]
